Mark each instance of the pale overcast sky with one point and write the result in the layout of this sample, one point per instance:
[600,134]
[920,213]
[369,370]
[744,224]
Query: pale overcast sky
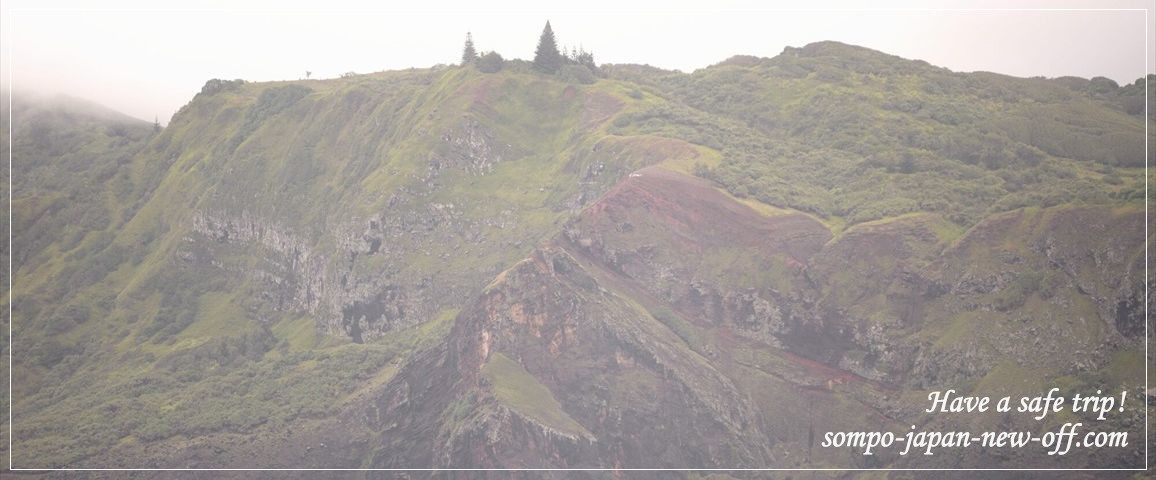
[148,58]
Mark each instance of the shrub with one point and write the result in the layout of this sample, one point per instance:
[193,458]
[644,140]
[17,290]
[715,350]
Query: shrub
[703,171]
[576,74]
[490,62]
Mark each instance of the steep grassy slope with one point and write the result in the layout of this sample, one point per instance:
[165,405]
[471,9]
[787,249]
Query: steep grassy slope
[397,200]
[444,267]
[848,132]
[70,192]
[668,296]
[5,256]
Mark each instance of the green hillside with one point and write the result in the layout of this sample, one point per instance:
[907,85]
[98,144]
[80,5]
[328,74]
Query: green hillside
[309,273]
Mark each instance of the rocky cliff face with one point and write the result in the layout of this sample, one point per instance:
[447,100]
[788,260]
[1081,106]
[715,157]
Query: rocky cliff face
[609,324]
[447,268]
[424,243]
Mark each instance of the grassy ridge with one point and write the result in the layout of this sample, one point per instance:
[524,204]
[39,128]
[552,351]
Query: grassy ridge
[125,335]
[843,131]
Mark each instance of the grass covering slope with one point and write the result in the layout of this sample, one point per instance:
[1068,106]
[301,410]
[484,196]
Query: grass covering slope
[128,318]
[517,389]
[844,131]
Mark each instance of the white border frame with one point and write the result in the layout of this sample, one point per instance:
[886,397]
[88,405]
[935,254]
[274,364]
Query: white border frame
[10,293]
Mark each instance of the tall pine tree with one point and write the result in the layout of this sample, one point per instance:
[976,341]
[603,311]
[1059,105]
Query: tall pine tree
[546,58]
[468,53]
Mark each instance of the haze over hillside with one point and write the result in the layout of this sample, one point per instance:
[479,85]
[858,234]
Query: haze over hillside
[506,265]
[147,60]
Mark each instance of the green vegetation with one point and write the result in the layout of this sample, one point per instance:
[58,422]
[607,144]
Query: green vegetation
[469,54]
[139,328]
[576,66]
[546,56]
[519,390]
[267,379]
[684,329]
[843,131]
[490,62]
[118,294]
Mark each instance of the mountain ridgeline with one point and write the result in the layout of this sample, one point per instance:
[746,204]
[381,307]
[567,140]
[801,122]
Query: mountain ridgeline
[644,269]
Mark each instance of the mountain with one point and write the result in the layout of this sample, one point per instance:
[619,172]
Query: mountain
[646,269]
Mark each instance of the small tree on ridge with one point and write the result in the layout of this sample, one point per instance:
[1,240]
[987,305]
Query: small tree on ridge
[546,57]
[468,52]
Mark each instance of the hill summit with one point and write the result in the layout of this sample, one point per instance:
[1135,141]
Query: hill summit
[630,268]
